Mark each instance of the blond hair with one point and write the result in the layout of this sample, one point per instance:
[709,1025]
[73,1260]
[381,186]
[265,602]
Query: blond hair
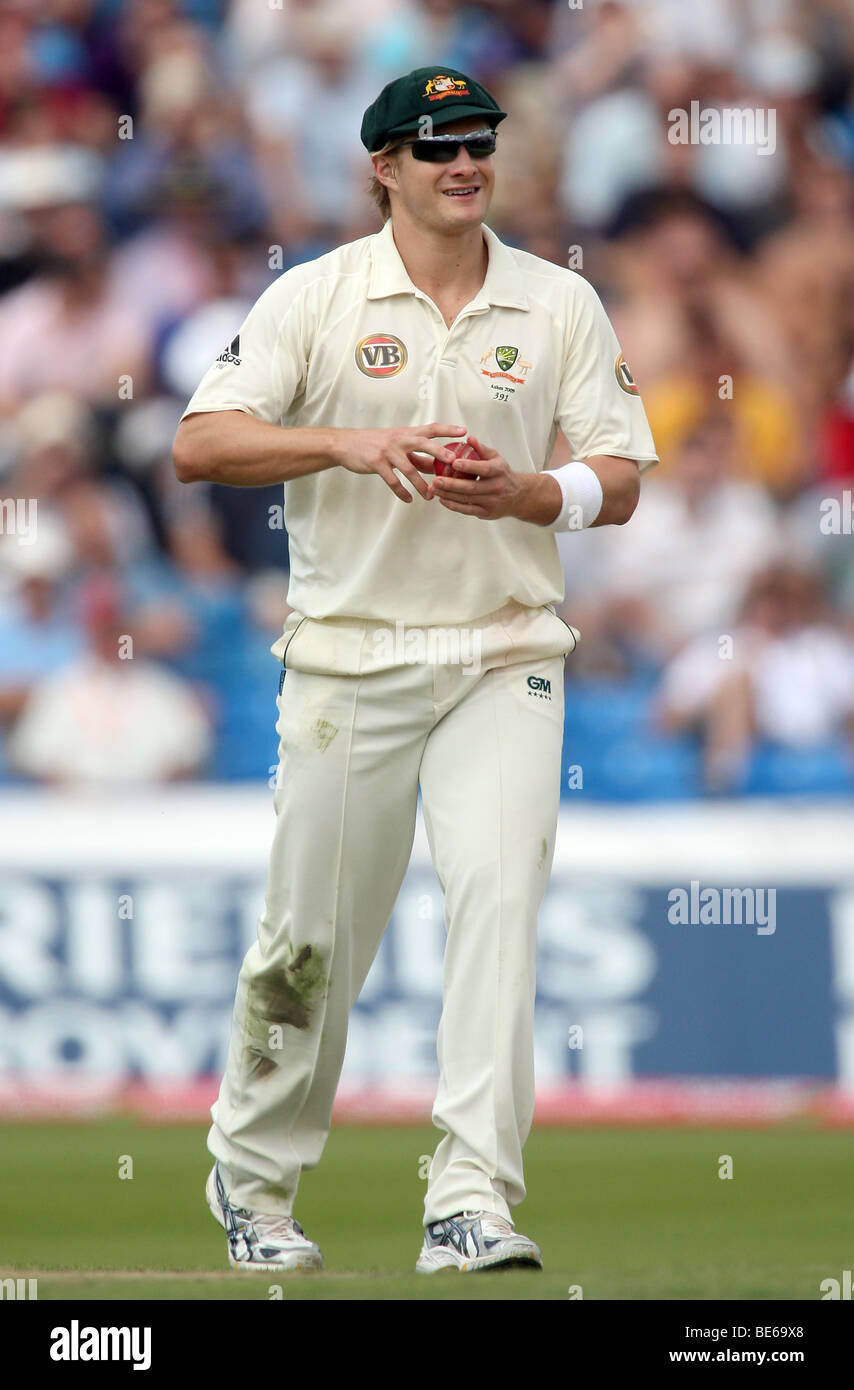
[377,192]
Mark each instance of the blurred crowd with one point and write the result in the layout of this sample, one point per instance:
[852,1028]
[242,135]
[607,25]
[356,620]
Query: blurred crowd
[162,161]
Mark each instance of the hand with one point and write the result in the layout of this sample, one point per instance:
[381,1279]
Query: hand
[390,451]
[493,490]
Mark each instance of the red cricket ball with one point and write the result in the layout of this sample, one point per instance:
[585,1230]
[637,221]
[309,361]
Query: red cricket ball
[460,449]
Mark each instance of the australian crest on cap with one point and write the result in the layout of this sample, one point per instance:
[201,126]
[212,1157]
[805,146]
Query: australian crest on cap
[441,86]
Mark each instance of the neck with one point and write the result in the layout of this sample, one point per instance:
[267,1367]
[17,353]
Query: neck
[456,262]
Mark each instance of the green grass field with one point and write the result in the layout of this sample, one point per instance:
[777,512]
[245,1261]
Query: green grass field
[625,1213]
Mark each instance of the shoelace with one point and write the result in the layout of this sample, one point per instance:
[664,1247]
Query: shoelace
[281,1226]
[492,1224]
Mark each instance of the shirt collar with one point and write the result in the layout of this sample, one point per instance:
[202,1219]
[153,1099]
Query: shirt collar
[501,285]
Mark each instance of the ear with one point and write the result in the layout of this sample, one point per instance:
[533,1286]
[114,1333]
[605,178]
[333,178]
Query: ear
[385,168]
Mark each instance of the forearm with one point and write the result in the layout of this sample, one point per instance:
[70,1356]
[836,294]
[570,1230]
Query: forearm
[234,448]
[620,480]
[541,498]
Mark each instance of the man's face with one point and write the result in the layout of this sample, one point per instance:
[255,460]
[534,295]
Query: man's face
[443,197]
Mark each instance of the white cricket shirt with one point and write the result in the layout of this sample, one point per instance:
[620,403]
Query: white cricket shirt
[348,341]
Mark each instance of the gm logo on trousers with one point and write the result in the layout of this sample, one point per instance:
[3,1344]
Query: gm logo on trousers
[540,687]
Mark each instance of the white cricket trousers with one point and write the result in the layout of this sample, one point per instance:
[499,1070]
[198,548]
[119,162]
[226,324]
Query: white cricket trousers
[361,726]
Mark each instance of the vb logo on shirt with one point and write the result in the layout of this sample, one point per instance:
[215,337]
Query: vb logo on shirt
[380,355]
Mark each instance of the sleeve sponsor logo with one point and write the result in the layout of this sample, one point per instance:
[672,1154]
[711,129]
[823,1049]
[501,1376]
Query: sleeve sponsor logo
[381,355]
[232,353]
[624,376]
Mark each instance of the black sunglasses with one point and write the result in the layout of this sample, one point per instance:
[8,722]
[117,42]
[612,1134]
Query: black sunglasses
[443,149]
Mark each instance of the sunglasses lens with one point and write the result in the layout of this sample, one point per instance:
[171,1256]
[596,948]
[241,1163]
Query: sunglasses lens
[442,151]
[435,151]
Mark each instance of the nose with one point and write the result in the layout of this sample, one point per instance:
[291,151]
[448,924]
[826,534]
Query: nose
[463,164]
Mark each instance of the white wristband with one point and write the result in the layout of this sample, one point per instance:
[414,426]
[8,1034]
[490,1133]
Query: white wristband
[582,497]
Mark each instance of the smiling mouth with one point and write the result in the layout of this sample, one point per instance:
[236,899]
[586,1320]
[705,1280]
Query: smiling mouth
[460,192]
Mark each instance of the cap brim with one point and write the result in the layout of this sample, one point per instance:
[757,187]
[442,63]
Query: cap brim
[447,114]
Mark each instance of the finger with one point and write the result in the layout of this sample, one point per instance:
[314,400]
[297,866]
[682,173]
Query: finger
[399,460]
[482,448]
[388,475]
[481,505]
[481,468]
[464,508]
[471,486]
[434,428]
[422,461]
[426,446]
[454,487]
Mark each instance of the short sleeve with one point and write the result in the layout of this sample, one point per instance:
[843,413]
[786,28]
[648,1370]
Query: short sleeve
[263,368]
[599,407]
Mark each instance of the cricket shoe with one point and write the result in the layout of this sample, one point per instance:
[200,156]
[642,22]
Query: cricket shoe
[260,1242]
[474,1240]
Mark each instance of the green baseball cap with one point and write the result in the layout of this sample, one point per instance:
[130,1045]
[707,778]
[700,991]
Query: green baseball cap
[443,94]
